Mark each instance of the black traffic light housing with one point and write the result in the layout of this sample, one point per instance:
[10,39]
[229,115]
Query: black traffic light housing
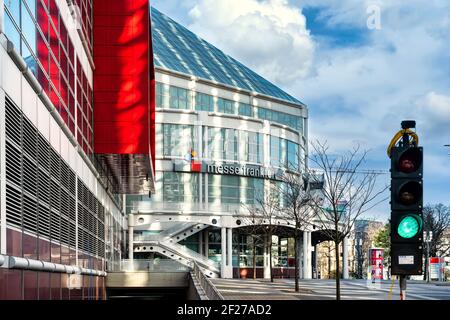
[406,206]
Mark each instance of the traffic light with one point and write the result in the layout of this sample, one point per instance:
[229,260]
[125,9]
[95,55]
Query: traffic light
[406,205]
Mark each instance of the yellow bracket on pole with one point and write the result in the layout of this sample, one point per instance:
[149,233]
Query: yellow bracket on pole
[398,136]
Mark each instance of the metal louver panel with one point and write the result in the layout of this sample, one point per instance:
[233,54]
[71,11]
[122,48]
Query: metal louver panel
[43,187]
[29,139]
[55,165]
[65,231]
[13,206]
[29,175]
[44,220]
[30,213]
[13,117]
[13,164]
[55,225]
[43,154]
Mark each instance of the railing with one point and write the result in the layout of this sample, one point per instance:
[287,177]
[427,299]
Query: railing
[153,265]
[147,206]
[190,254]
[210,290]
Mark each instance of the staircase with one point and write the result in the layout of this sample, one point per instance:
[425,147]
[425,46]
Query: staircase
[166,243]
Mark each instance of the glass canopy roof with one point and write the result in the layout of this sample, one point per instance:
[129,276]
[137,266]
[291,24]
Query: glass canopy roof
[178,49]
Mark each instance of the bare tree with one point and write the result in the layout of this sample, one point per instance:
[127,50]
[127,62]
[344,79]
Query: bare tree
[264,213]
[436,218]
[295,204]
[349,192]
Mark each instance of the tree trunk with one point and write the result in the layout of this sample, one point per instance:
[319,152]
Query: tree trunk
[270,256]
[254,258]
[338,273]
[296,273]
[329,261]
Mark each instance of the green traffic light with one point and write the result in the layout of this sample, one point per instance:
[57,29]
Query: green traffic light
[408,227]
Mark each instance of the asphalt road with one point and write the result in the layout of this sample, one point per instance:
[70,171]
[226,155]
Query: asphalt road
[247,289]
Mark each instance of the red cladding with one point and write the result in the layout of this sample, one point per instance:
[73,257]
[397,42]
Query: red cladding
[123,78]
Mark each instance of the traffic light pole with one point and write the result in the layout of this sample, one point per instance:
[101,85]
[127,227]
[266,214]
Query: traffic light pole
[402,287]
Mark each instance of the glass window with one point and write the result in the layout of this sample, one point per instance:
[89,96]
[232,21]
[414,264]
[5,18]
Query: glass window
[179,98]
[13,7]
[286,119]
[250,147]
[225,106]
[234,189]
[245,110]
[12,33]
[180,187]
[204,102]
[178,139]
[292,155]
[28,30]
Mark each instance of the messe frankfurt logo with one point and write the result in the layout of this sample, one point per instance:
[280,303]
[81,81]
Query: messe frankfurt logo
[196,166]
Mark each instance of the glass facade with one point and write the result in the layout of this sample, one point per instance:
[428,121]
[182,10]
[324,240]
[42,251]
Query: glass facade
[281,118]
[39,34]
[284,153]
[234,189]
[178,49]
[178,139]
[180,187]
[170,97]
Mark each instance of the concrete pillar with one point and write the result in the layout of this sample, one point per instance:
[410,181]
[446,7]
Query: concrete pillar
[266,258]
[130,237]
[223,246]
[229,272]
[345,258]
[309,259]
[206,235]
[305,255]
[300,257]
[200,242]
[316,261]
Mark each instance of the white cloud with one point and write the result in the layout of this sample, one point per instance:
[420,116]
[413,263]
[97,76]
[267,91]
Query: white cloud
[269,36]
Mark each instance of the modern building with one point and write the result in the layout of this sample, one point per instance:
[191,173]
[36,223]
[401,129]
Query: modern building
[223,133]
[76,121]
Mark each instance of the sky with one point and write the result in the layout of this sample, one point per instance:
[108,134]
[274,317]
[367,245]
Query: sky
[360,66]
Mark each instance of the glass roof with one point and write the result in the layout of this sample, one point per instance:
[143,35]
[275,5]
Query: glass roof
[178,49]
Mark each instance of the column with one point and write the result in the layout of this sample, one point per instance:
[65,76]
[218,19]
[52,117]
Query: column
[223,246]
[300,257]
[316,260]
[266,258]
[345,258]
[200,242]
[206,235]
[305,255]
[130,237]
[229,253]
[309,258]
[3,247]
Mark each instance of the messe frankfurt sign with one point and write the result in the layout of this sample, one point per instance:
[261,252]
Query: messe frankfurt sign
[227,169]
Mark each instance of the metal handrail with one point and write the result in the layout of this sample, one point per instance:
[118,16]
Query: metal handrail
[210,289]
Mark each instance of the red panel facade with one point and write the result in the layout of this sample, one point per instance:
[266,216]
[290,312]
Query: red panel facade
[122,78]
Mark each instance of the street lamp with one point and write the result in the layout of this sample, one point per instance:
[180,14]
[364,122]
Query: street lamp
[427,237]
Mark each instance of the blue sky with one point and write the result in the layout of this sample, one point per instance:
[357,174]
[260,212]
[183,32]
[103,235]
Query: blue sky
[359,83]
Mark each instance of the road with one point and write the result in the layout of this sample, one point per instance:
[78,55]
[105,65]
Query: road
[282,289]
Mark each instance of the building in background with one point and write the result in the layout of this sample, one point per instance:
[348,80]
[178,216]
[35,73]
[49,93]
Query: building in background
[76,121]
[223,133]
